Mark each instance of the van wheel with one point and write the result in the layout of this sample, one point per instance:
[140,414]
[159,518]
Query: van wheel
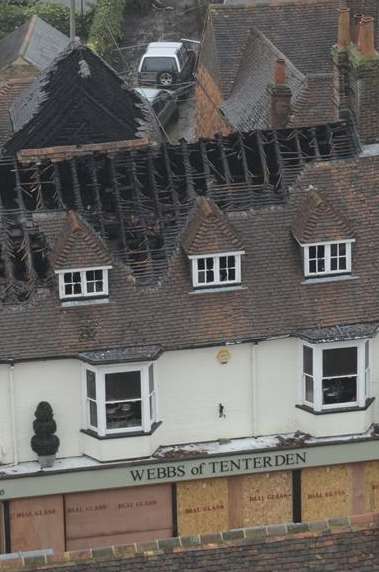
[166,79]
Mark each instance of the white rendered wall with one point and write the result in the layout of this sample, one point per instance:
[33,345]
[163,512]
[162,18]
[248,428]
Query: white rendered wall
[5,418]
[191,384]
[59,383]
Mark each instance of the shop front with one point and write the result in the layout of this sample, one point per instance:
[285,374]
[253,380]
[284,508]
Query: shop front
[159,499]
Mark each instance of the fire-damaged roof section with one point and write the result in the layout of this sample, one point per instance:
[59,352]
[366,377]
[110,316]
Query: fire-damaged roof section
[316,220]
[209,230]
[9,91]
[78,100]
[139,202]
[79,246]
[36,42]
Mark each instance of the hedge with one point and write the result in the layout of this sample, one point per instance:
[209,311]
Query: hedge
[107,24]
[12,16]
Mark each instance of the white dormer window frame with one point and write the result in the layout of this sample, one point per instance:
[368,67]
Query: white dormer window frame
[327,258]
[83,282]
[218,269]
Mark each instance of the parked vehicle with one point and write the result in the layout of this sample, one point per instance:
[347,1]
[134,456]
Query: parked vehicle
[166,64]
[163,103]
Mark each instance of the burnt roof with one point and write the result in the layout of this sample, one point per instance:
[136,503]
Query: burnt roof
[9,91]
[36,41]
[139,202]
[79,99]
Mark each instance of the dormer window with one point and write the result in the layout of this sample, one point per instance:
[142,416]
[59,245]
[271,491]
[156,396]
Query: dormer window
[217,270]
[327,258]
[83,283]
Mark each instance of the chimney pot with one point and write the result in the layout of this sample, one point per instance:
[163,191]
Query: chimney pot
[355,27]
[366,43]
[344,38]
[280,74]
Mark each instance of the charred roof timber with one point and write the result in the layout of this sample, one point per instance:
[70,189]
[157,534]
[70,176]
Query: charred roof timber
[138,200]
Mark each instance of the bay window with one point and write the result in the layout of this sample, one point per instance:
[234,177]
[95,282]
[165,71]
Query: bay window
[120,399]
[335,375]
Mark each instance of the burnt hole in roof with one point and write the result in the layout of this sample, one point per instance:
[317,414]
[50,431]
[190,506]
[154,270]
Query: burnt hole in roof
[323,141]
[66,184]
[272,162]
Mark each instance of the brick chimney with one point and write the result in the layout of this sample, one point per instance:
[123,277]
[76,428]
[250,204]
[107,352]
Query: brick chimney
[280,96]
[356,75]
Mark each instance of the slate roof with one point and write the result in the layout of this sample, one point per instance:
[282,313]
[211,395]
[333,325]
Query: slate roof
[140,202]
[79,99]
[9,91]
[336,545]
[241,43]
[317,221]
[35,41]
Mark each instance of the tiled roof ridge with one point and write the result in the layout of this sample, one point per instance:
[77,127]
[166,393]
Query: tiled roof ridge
[47,559]
[275,49]
[29,32]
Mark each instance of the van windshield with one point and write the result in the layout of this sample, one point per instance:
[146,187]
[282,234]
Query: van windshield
[159,65]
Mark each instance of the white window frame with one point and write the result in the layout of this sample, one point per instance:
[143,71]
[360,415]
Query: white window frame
[83,280]
[363,374]
[216,269]
[147,419]
[327,270]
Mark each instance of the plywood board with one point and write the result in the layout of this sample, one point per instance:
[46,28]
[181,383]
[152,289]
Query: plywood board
[371,487]
[37,523]
[260,499]
[118,516]
[202,506]
[326,492]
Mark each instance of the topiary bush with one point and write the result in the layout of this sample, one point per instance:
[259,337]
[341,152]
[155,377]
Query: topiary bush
[44,442]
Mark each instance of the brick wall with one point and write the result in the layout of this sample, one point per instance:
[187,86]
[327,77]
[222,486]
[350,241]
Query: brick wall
[208,118]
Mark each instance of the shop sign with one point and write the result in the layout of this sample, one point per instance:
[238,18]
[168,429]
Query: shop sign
[132,474]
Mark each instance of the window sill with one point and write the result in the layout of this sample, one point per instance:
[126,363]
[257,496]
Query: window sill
[336,409]
[90,433]
[214,289]
[71,303]
[325,279]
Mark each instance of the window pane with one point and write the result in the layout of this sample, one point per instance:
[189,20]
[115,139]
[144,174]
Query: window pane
[93,413]
[341,361]
[367,354]
[334,249]
[210,263]
[151,379]
[201,277]
[91,384]
[312,252]
[201,264]
[320,251]
[120,415]
[342,249]
[342,262]
[342,390]
[120,386]
[308,360]
[333,264]
[210,276]
[312,266]
[309,388]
